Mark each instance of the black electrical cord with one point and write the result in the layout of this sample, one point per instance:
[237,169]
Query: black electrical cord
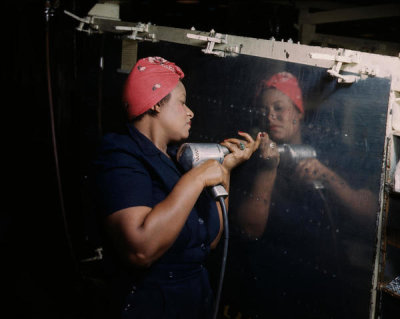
[224,255]
[334,239]
[48,13]
[333,227]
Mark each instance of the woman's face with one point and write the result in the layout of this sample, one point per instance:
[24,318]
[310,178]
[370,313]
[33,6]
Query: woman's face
[283,118]
[175,117]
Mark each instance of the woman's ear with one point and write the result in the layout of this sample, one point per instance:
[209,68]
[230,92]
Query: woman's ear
[298,117]
[156,108]
[301,116]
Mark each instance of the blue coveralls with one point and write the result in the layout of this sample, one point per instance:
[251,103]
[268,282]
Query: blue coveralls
[131,171]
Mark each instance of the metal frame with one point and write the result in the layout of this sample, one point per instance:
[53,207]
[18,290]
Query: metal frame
[360,64]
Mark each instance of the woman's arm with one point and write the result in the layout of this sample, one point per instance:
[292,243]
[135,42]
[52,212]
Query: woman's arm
[360,201]
[143,234]
[236,156]
[253,211]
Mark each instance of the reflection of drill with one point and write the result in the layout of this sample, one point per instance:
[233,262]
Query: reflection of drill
[291,154]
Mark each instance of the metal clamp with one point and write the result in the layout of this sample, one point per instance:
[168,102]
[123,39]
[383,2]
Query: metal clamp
[212,39]
[339,60]
[141,29]
[88,21]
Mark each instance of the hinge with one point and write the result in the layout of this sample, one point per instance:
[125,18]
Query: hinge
[339,59]
[212,39]
[139,32]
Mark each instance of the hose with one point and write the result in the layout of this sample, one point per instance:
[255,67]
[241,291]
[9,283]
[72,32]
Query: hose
[224,255]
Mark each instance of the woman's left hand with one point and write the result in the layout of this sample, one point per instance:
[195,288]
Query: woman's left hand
[240,150]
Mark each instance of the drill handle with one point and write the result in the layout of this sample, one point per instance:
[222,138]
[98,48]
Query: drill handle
[218,191]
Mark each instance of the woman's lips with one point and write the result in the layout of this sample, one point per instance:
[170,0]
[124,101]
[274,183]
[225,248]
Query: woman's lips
[274,127]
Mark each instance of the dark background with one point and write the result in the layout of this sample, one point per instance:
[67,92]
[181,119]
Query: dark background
[45,227]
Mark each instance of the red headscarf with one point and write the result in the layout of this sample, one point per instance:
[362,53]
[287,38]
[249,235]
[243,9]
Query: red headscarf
[150,80]
[287,84]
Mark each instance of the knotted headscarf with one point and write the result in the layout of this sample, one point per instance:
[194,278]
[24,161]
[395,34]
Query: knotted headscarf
[287,84]
[150,80]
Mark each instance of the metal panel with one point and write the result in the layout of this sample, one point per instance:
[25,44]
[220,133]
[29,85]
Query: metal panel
[316,256]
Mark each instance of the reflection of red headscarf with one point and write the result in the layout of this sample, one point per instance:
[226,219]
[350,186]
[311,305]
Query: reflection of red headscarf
[150,80]
[287,84]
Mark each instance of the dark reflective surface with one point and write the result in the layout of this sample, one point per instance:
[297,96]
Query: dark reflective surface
[314,256]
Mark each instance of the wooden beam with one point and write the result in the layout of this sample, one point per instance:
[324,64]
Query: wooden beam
[351,14]
[320,5]
[307,4]
[365,45]
[307,33]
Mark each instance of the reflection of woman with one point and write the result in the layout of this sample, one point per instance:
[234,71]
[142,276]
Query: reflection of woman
[280,99]
[293,267]
[160,222]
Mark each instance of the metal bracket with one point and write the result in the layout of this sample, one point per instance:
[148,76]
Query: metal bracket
[339,59]
[142,29]
[97,256]
[91,27]
[212,39]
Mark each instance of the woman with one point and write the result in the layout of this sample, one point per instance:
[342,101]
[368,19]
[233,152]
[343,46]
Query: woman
[296,237]
[160,220]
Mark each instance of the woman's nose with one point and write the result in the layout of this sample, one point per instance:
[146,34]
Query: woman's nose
[189,112]
[271,115]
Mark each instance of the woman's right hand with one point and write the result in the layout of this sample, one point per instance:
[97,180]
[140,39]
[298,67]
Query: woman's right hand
[211,173]
[269,152]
